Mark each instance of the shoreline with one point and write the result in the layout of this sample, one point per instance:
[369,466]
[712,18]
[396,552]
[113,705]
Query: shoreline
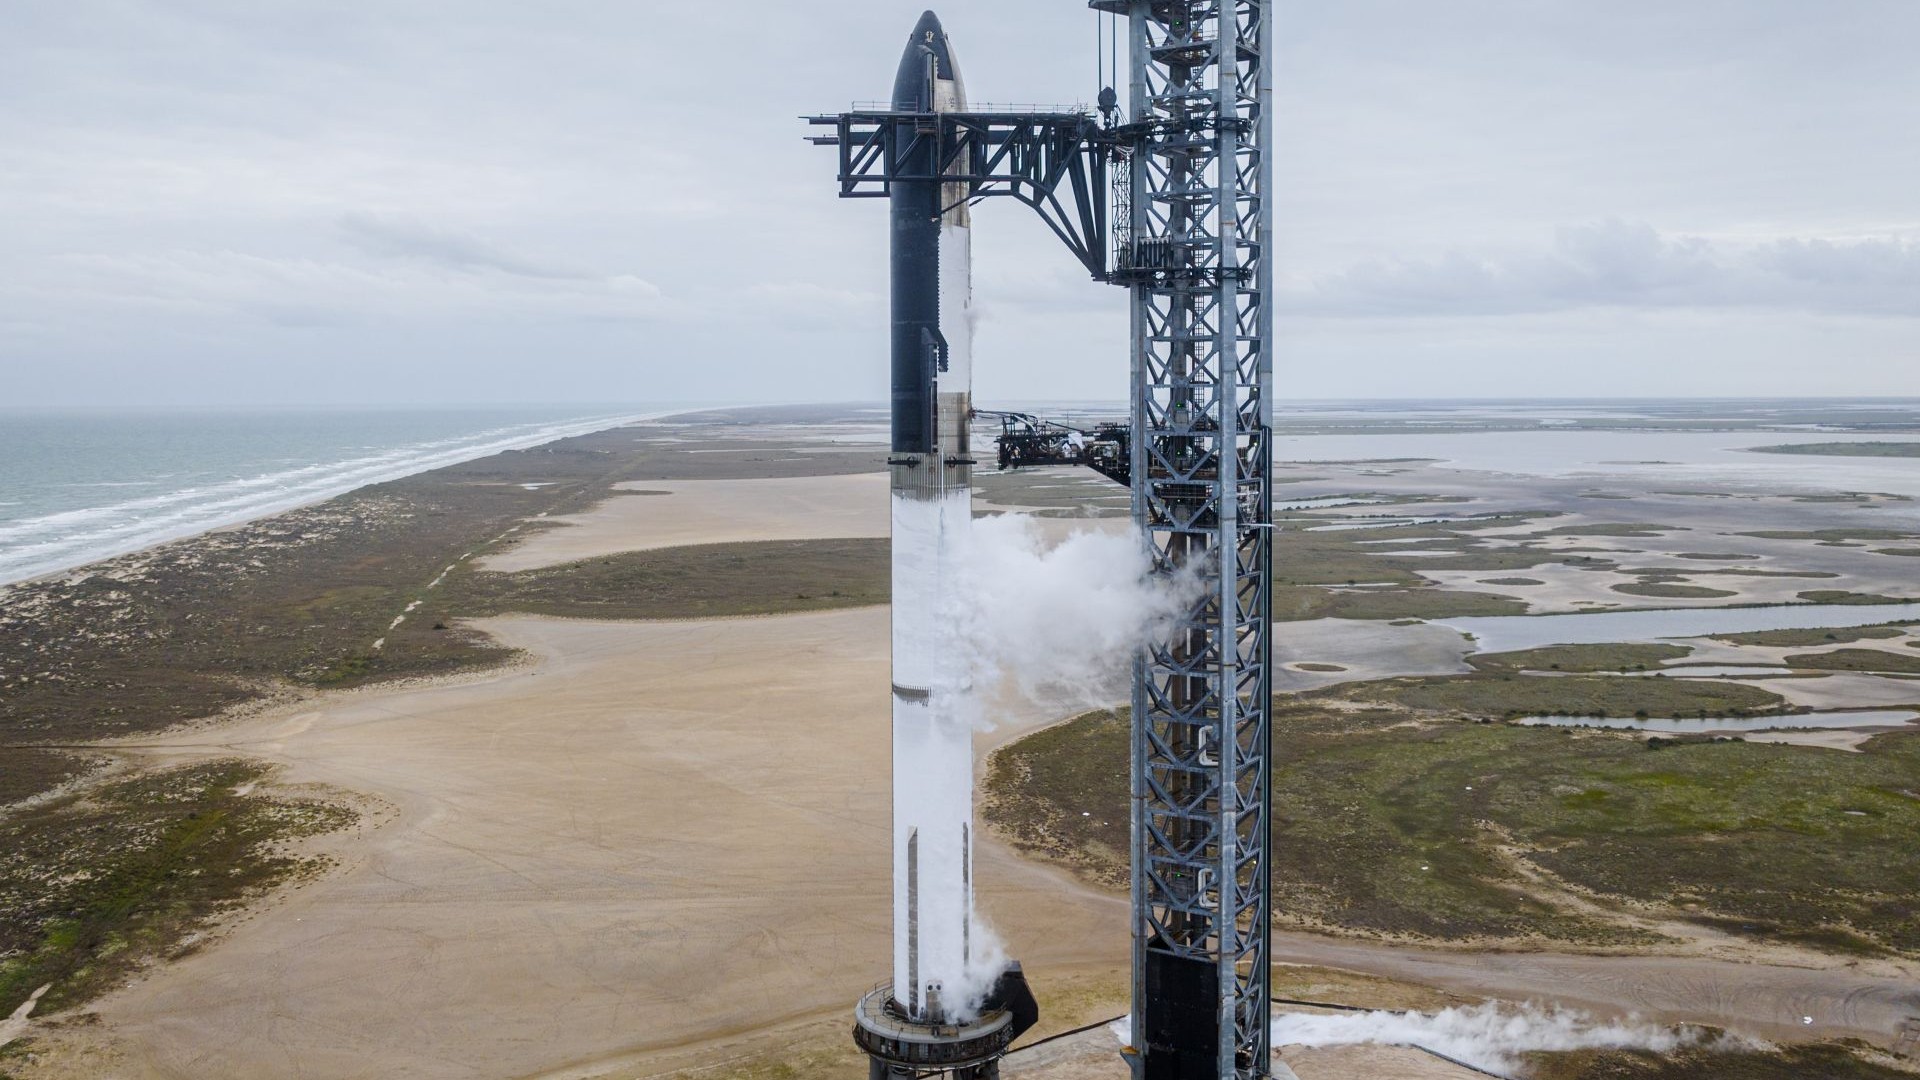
[561,431]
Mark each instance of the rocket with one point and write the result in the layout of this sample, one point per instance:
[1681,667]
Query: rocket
[936,967]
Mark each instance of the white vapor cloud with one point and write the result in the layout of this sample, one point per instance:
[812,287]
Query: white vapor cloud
[1492,1036]
[1059,620]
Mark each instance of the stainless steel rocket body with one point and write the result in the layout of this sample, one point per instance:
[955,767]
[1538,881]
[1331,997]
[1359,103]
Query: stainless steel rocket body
[931,506]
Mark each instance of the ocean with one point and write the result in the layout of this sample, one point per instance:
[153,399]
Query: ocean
[77,486]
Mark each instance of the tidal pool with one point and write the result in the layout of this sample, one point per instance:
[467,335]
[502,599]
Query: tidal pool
[1509,633]
[1728,726]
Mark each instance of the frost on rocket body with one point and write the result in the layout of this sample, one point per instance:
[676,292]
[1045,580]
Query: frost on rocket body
[984,609]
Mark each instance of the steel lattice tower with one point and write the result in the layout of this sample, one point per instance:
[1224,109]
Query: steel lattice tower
[1194,253]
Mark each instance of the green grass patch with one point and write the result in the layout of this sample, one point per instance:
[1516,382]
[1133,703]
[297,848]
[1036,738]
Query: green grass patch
[1859,660]
[1512,581]
[1505,695]
[90,887]
[26,771]
[702,581]
[1841,596]
[1580,658]
[1787,639]
[1846,449]
[1901,552]
[1424,603]
[1669,590]
[1390,827]
[1835,536]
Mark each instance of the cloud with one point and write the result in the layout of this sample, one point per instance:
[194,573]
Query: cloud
[192,185]
[1632,265]
[306,292]
[400,239]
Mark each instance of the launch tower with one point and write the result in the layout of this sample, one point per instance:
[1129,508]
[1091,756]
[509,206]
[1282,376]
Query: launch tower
[1191,242]
[1193,251]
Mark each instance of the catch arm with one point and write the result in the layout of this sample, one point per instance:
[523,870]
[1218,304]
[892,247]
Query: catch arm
[1028,441]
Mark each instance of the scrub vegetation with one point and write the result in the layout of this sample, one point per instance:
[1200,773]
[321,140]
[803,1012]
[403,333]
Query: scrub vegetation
[1846,449]
[94,885]
[1803,638]
[1859,660]
[1835,536]
[1500,695]
[1581,658]
[27,770]
[1400,823]
[1669,590]
[762,578]
[1842,596]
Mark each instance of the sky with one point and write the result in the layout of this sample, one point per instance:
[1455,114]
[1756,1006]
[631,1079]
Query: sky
[234,202]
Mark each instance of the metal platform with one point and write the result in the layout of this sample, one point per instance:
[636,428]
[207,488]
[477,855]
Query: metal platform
[899,1047]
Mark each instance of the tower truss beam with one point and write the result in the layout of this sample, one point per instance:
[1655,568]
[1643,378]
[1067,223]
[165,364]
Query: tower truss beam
[1194,253]
[1055,163]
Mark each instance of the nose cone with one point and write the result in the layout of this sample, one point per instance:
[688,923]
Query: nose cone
[929,58]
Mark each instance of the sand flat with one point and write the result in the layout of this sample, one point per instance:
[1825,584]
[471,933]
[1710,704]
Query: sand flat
[661,832]
[706,512]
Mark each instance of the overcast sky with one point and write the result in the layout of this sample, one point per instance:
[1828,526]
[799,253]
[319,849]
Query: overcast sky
[425,201]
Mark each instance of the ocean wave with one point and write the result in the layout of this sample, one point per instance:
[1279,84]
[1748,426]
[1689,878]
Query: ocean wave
[30,547]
